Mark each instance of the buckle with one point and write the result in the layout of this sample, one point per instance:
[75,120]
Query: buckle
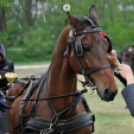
[48,130]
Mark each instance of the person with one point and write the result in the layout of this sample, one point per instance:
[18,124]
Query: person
[125,75]
[5,66]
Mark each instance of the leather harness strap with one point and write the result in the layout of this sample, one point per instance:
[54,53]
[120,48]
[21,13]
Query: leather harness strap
[56,115]
[77,93]
[27,96]
[21,81]
[55,119]
[66,126]
[98,68]
[89,30]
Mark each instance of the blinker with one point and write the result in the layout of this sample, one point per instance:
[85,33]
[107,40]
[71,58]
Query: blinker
[76,44]
[78,48]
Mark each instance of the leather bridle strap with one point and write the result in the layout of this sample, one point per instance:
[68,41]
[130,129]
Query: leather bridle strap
[88,81]
[83,71]
[98,68]
[89,30]
[86,73]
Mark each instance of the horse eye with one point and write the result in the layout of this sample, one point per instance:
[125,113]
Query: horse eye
[86,48]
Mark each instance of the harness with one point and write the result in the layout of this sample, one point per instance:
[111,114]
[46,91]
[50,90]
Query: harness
[62,126]
[55,125]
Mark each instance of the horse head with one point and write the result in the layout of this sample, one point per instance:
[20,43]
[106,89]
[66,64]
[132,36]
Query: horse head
[87,50]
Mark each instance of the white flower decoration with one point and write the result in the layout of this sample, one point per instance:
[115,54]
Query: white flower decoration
[66,7]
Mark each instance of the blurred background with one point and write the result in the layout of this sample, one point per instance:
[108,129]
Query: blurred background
[29,39]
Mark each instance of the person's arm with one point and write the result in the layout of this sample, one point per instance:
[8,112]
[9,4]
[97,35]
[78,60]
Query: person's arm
[128,95]
[114,62]
[128,92]
[125,73]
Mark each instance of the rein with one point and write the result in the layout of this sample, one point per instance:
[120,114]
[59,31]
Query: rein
[77,93]
[22,82]
[26,84]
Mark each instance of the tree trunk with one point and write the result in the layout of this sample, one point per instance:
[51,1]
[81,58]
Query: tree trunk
[3,27]
[124,11]
[28,12]
[103,16]
[110,10]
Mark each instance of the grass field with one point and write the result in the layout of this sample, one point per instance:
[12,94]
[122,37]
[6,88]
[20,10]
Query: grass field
[111,117]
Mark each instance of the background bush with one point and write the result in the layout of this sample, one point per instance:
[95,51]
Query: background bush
[27,38]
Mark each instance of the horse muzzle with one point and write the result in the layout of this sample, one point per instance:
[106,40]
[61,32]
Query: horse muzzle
[107,94]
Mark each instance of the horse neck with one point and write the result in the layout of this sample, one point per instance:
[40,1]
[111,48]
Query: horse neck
[62,79]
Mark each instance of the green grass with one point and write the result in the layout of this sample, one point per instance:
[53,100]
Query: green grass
[111,117]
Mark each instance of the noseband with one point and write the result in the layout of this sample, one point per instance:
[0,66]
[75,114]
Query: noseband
[77,50]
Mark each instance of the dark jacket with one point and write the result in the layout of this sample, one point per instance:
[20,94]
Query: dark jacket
[128,94]
[5,66]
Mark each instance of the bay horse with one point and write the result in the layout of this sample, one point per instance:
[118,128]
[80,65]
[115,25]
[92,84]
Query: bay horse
[80,49]
[128,56]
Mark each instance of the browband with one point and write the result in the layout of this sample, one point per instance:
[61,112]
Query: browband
[89,30]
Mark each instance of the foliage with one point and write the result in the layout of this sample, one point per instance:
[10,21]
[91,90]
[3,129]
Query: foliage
[22,24]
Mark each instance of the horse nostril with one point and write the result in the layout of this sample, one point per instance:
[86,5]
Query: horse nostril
[108,94]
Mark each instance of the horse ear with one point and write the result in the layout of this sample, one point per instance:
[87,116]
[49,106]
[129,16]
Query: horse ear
[73,21]
[93,14]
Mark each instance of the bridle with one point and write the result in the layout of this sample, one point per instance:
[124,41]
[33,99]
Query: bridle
[77,50]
